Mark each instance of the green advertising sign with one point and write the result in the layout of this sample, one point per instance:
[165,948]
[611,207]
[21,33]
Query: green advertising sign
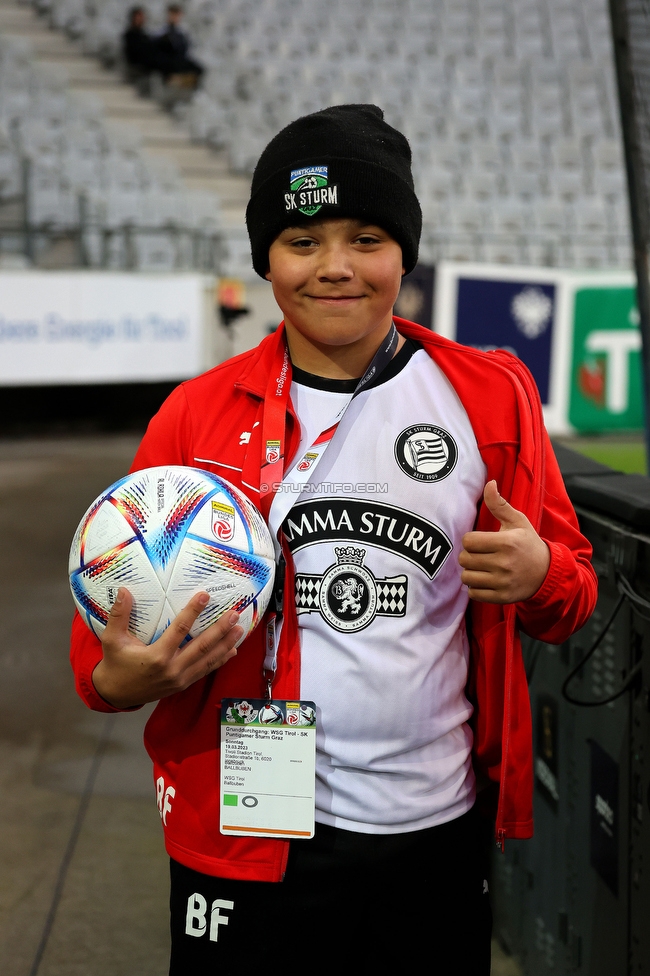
[606,382]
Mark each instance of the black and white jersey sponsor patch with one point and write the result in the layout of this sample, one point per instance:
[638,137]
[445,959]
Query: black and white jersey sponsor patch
[347,595]
[426,453]
[373,523]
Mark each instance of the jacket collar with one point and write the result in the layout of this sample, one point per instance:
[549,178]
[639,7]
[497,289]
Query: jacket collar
[254,376]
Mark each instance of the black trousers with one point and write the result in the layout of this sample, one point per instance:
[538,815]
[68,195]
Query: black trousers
[347,899]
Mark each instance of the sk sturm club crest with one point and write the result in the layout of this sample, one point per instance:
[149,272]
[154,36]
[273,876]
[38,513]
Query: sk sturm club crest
[223,521]
[426,453]
[347,594]
[309,190]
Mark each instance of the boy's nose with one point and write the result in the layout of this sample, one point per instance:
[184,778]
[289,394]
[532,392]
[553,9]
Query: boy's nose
[335,264]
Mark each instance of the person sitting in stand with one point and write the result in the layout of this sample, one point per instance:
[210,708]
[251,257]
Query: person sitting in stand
[137,45]
[172,47]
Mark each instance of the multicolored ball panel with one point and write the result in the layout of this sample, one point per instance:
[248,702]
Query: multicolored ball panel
[167,533]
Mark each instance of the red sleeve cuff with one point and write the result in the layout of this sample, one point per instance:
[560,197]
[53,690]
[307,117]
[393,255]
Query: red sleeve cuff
[559,569]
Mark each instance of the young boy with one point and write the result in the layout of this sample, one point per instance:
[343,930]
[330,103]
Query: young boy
[407,574]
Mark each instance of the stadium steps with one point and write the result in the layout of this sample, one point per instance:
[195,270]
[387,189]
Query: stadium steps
[200,168]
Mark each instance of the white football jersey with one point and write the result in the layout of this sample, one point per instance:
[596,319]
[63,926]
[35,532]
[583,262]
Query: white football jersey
[375,537]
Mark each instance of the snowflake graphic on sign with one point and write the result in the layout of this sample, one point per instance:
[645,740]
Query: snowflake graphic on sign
[532,310]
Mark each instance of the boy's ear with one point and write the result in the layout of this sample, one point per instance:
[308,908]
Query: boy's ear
[268,275]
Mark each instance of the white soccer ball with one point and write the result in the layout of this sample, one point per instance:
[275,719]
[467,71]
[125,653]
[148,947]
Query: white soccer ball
[270,714]
[165,534]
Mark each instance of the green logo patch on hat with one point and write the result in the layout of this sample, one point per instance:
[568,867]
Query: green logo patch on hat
[309,191]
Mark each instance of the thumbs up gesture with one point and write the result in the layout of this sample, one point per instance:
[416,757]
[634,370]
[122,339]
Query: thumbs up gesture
[505,566]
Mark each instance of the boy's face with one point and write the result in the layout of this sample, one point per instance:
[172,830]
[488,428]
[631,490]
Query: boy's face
[336,282]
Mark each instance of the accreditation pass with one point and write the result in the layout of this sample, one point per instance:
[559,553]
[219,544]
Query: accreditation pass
[268,768]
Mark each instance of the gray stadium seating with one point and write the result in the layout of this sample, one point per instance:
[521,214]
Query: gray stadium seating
[77,172]
[510,106]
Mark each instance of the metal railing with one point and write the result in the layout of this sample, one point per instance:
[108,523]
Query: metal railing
[95,243]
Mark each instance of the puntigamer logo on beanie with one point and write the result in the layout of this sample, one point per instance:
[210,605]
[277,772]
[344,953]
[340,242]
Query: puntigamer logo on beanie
[309,191]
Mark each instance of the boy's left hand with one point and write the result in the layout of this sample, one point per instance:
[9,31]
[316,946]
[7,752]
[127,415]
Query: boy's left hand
[505,566]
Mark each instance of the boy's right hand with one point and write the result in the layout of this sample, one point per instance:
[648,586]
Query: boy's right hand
[132,673]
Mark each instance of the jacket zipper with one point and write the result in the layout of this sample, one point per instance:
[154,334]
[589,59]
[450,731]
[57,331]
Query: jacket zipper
[510,650]
[500,832]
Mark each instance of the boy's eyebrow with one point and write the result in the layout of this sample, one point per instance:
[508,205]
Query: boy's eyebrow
[314,225]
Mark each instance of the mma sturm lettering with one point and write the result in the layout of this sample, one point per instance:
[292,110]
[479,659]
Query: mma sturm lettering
[373,523]
[309,191]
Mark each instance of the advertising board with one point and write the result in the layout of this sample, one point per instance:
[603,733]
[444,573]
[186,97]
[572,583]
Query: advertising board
[87,327]
[606,382]
[576,331]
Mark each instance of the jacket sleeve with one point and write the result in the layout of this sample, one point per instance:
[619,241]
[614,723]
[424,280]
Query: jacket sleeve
[567,597]
[168,440]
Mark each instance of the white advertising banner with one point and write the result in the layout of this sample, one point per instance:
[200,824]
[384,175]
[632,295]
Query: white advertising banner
[102,327]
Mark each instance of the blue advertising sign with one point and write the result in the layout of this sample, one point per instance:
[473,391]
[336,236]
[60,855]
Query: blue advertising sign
[513,315]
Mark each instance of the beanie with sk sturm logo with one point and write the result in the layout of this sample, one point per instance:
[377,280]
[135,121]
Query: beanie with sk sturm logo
[344,161]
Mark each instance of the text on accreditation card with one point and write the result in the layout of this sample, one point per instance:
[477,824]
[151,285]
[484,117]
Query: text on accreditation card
[268,767]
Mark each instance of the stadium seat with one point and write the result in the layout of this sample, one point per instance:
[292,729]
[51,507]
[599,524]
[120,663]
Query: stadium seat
[512,218]
[155,252]
[503,252]
[592,219]
[547,117]
[609,175]
[525,184]
[551,218]
[505,114]
[455,250]
[487,157]
[483,186]
[568,178]
[471,218]
[592,255]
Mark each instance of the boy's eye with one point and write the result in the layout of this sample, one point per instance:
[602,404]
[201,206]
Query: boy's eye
[303,242]
[367,239]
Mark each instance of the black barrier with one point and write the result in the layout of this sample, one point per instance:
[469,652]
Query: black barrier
[576,898]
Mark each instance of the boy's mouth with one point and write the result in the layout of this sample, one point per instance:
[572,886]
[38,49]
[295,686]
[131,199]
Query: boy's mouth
[335,299]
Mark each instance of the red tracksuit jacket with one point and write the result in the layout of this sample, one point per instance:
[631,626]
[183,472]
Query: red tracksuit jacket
[200,425]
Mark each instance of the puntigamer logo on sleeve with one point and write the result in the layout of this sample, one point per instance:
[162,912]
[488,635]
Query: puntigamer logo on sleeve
[309,190]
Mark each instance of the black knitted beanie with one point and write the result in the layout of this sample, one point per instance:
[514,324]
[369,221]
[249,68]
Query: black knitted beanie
[344,161]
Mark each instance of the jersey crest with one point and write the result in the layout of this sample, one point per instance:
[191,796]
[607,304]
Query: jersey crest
[347,594]
[426,453]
